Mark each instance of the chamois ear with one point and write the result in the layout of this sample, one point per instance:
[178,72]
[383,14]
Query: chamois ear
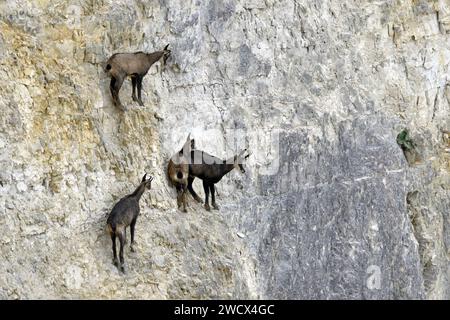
[248,155]
[166,47]
[144,177]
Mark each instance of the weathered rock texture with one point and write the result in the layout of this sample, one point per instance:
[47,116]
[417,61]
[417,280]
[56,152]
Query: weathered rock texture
[345,215]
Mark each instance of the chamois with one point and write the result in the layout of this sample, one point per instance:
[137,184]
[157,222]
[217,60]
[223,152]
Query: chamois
[211,170]
[136,65]
[124,214]
[178,171]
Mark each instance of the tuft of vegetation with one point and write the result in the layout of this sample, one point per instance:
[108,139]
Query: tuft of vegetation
[405,141]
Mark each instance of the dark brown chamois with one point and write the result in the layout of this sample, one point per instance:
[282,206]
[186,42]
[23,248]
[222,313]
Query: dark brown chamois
[135,65]
[211,170]
[178,171]
[124,214]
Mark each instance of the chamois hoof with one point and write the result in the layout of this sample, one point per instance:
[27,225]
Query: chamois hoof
[207,207]
[132,249]
[134,98]
[215,206]
[157,117]
[116,263]
[140,103]
[122,269]
[121,107]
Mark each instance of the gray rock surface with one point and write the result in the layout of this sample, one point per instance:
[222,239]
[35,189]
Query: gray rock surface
[329,206]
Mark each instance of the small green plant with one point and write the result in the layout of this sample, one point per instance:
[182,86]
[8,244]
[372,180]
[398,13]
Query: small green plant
[405,141]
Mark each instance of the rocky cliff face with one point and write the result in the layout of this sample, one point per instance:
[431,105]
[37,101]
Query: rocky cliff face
[329,206]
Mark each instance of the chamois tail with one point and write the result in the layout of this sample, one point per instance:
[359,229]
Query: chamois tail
[108,68]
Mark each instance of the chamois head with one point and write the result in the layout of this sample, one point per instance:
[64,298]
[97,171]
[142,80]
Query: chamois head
[179,162]
[239,160]
[147,182]
[166,54]
[178,171]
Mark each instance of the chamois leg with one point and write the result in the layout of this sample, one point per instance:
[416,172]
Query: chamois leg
[206,189]
[183,197]
[139,89]
[181,202]
[179,190]
[132,225]
[191,190]
[134,83]
[122,244]
[115,260]
[178,196]
[115,85]
[112,84]
[213,196]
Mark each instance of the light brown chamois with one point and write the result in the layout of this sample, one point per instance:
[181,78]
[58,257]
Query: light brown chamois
[124,214]
[211,170]
[178,172]
[135,65]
